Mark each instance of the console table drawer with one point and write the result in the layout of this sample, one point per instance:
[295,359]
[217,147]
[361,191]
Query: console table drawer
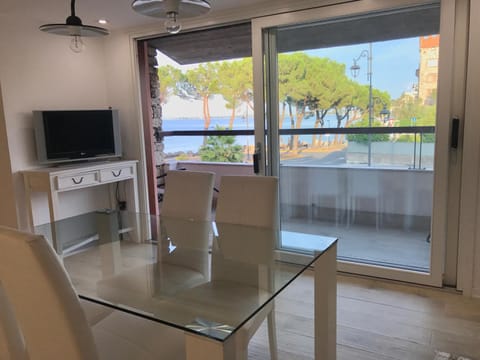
[80,180]
[115,174]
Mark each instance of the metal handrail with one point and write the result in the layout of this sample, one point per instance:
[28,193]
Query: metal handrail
[361,130]
[308,131]
[322,131]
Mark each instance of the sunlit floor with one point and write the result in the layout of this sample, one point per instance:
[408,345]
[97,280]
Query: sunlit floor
[383,246]
[376,320]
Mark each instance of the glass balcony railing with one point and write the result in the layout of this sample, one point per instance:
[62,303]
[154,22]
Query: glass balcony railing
[231,146]
[390,147]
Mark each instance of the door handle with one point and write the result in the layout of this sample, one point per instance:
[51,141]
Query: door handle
[455,133]
[256,163]
[256,159]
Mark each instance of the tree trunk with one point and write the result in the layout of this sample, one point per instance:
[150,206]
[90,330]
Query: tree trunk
[292,126]
[319,116]
[282,116]
[206,117]
[232,117]
[300,116]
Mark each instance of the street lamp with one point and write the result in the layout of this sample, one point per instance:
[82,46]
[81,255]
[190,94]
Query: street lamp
[355,69]
[384,113]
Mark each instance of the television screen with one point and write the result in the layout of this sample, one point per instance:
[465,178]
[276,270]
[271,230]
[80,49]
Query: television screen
[73,135]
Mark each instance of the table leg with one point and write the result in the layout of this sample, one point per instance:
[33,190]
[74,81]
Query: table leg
[326,305]
[28,201]
[202,348]
[53,211]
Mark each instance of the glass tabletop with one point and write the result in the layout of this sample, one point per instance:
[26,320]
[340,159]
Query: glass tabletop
[203,277]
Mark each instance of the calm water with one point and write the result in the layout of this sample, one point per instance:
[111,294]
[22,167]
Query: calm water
[174,144]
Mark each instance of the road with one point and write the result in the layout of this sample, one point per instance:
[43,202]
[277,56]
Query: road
[332,158]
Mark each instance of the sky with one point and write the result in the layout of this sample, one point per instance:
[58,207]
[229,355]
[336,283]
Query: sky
[394,63]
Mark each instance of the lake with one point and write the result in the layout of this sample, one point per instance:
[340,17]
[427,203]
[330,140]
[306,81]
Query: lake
[174,144]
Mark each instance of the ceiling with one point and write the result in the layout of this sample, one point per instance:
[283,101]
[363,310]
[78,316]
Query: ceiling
[118,12]
[234,41]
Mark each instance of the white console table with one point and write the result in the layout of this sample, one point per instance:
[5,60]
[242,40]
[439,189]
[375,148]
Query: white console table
[55,180]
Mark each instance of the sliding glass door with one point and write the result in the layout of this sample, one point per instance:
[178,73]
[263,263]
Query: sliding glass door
[357,128]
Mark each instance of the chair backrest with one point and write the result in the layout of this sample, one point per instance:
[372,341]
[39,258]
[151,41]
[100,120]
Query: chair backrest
[239,253]
[44,303]
[248,200]
[188,195]
[12,344]
[190,239]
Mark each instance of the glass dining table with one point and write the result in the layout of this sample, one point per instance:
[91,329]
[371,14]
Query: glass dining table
[207,279]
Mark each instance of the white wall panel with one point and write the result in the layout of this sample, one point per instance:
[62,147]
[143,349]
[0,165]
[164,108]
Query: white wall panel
[39,71]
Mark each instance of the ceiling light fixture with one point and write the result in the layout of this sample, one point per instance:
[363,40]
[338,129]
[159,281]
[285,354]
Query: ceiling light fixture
[73,27]
[171,11]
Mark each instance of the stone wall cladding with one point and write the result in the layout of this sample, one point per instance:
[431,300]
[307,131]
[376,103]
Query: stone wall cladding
[156,106]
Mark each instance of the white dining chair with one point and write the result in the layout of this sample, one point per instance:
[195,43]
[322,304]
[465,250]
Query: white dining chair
[183,263]
[51,321]
[12,344]
[188,194]
[251,201]
[329,192]
[248,200]
[364,186]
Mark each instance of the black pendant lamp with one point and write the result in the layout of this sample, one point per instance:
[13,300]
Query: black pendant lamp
[75,28]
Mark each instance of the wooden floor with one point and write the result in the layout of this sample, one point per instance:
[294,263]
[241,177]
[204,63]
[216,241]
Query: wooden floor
[377,320]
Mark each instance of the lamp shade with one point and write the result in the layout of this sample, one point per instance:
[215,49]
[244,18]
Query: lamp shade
[73,26]
[182,8]
[74,30]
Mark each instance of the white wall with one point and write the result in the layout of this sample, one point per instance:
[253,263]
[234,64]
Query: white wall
[7,217]
[38,71]
[124,95]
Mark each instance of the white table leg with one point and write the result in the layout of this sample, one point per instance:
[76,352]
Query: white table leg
[53,210]
[272,336]
[202,348]
[326,305]
[28,201]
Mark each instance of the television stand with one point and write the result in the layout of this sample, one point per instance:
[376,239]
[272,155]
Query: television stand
[55,180]
[81,163]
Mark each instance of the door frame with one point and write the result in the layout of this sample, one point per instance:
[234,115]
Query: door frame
[445,111]
[469,252]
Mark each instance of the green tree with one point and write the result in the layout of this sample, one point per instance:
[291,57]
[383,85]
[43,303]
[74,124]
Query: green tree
[410,111]
[360,102]
[236,85]
[365,138]
[331,91]
[201,83]
[293,90]
[221,149]
[169,77]
[313,86]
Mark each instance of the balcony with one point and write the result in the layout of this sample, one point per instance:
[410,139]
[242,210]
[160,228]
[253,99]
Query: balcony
[381,213]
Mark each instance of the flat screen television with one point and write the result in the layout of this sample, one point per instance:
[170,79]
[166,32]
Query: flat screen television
[76,135]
